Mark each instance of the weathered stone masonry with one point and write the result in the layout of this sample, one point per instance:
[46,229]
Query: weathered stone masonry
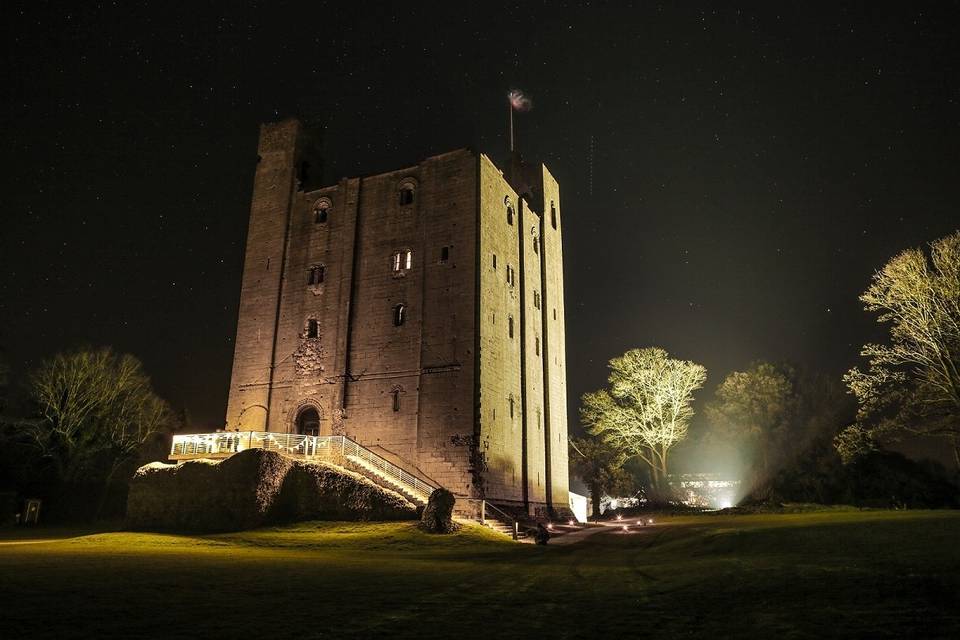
[419,312]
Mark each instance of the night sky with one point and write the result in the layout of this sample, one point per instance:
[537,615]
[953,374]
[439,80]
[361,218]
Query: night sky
[730,177]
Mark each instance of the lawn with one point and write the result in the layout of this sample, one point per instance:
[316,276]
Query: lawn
[869,574]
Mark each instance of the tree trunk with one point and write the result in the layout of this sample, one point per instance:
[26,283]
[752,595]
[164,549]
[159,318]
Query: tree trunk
[595,499]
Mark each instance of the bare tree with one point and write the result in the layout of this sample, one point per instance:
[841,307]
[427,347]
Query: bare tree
[97,409]
[912,384]
[647,408]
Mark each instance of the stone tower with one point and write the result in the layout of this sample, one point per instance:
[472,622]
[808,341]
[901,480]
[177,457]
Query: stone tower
[419,312]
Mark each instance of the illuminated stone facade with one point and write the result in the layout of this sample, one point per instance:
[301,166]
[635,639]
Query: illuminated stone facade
[419,312]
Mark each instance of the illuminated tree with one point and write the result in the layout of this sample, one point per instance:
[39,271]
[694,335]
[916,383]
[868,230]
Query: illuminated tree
[647,408]
[752,412]
[96,411]
[771,414]
[912,384]
[600,466]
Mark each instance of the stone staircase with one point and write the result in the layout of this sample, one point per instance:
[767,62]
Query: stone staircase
[369,471]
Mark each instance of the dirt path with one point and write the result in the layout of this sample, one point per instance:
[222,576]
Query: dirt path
[578,536]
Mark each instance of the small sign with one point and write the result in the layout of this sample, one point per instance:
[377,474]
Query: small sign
[32,512]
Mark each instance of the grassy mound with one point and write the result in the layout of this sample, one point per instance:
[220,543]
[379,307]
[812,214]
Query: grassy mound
[251,489]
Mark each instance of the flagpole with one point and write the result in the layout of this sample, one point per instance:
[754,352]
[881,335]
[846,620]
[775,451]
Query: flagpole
[510,108]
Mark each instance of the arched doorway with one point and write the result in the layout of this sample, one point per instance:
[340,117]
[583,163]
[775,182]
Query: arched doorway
[308,422]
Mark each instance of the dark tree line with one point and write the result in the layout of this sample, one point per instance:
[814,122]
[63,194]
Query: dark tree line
[84,421]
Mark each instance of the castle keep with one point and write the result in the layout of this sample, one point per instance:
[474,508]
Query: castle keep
[419,312]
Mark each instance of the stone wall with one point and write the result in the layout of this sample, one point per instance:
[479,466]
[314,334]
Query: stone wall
[252,489]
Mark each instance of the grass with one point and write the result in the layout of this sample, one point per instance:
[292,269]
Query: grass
[874,574]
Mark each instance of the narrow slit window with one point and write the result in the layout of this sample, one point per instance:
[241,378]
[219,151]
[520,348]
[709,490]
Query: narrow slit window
[510,400]
[494,261]
[313,328]
[444,254]
[317,274]
[396,399]
[510,327]
[511,280]
[536,345]
[399,315]
[553,215]
[536,299]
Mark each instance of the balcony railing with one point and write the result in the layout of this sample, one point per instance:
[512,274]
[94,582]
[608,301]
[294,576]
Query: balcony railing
[336,449]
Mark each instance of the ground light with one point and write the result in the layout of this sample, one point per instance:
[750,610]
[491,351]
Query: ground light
[619,517]
[570,523]
[626,527]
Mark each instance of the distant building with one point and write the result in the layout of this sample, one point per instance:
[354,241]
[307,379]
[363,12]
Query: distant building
[711,490]
[418,311]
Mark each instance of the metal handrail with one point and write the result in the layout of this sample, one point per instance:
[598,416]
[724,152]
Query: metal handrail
[225,444]
[386,468]
[485,506]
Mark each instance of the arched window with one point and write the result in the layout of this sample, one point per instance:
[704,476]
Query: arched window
[313,328]
[395,393]
[509,206]
[553,215]
[320,210]
[399,315]
[406,191]
[308,422]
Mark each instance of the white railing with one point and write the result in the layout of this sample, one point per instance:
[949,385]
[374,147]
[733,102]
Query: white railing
[332,448]
[222,445]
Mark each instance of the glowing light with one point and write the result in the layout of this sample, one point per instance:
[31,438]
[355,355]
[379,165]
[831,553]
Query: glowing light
[650,521]
[626,528]
[571,523]
[619,517]
[550,526]
[641,522]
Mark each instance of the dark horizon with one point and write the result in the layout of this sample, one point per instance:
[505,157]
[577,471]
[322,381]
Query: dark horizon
[730,178]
